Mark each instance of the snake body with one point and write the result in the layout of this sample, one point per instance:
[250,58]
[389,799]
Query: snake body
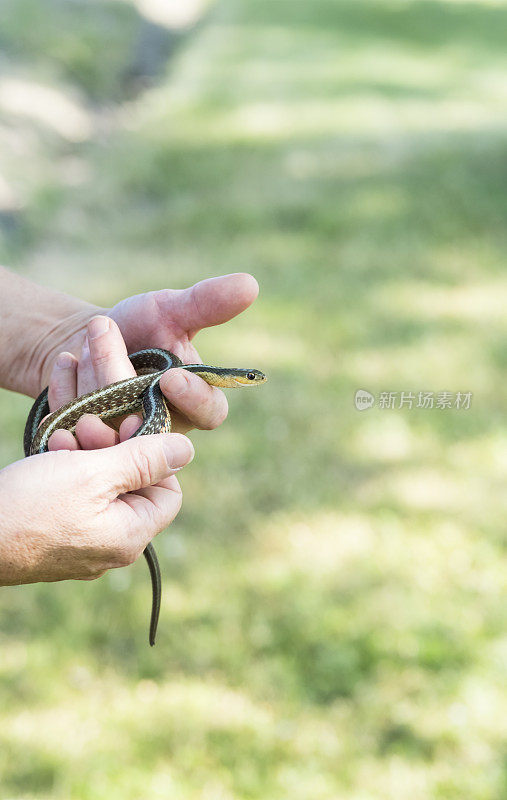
[142,392]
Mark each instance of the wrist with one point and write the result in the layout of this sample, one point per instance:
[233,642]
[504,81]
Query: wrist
[37,323]
[67,333]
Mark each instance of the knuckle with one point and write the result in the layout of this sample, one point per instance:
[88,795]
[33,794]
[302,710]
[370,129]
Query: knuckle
[143,466]
[123,555]
[101,359]
[94,577]
[92,572]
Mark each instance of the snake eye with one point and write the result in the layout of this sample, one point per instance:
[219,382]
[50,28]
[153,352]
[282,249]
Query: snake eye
[250,376]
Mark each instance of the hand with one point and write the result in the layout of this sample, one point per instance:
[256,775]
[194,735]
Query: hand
[67,515]
[106,351]
[170,319]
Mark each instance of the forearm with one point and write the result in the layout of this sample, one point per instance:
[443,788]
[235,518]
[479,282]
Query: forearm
[34,321]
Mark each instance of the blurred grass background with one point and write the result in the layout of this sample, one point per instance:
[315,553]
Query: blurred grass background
[334,622]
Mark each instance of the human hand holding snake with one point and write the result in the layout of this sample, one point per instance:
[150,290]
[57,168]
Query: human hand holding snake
[142,389]
[50,538]
[93,511]
[169,319]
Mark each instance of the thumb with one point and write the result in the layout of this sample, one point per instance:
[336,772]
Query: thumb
[142,461]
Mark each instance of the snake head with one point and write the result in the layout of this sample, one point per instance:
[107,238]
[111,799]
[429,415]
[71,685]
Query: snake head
[248,377]
[227,377]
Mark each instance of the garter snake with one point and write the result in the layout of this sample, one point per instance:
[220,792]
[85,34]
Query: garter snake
[142,392]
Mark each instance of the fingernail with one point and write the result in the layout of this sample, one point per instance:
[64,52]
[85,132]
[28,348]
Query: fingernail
[175,383]
[65,361]
[97,326]
[178,449]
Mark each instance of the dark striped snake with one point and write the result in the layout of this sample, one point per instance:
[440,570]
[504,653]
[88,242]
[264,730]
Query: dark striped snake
[125,397]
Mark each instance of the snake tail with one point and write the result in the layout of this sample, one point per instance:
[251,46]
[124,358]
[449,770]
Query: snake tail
[156,586]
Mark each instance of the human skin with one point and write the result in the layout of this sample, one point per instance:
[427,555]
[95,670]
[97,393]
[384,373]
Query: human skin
[66,513]
[76,514]
[37,324]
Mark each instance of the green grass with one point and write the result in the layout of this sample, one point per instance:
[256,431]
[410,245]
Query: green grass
[334,622]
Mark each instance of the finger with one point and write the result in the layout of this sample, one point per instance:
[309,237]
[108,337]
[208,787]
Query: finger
[93,434]
[85,374]
[63,381]
[166,483]
[140,462]
[107,355]
[209,302]
[108,351]
[159,496]
[145,513]
[129,426]
[204,405]
[62,440]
